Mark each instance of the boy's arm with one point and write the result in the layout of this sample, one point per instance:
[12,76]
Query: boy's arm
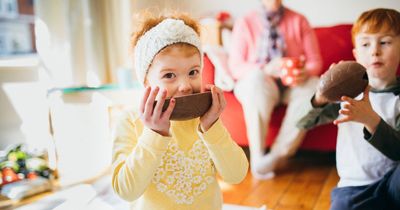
[135,159]
[319,115]
[229,159]
[386,139]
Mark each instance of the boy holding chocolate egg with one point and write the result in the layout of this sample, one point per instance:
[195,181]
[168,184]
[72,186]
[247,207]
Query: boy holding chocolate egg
[368,142]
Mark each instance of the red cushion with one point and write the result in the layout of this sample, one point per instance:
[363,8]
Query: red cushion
[334,44]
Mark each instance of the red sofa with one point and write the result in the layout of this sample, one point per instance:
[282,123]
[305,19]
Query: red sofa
[335,45]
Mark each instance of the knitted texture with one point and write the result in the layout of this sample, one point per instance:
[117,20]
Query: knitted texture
[167,32]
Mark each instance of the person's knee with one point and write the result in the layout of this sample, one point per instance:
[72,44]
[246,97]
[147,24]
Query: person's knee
[339,200]
[246,84]
[256,88]
[339,204]
[255,80]
[394,186]
[304,91]
[396,177]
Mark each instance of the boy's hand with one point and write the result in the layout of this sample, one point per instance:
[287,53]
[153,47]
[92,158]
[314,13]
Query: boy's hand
[359,111]
[319,100]
[218,105]
[152,116]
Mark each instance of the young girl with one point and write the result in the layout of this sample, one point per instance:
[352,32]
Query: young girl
[163,164]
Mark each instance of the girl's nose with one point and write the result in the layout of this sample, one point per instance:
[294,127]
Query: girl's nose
[185,87]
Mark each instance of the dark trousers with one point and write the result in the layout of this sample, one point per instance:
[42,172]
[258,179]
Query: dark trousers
[381,195]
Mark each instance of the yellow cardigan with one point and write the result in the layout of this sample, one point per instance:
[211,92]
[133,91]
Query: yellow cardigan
[177,172]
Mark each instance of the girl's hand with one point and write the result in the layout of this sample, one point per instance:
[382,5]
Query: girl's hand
[218,105]
[359,111]
[152,116]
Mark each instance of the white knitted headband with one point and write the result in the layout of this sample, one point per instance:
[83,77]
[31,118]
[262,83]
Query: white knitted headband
[167,32]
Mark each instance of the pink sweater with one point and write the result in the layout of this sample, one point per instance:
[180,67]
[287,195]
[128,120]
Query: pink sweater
[299,37]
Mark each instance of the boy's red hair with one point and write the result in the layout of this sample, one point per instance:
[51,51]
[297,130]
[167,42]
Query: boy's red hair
[377,20]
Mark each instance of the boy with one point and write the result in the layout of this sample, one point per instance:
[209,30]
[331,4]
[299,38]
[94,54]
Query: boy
[368,146]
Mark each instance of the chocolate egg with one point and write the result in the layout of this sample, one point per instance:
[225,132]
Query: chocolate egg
[347,78]
[190,106]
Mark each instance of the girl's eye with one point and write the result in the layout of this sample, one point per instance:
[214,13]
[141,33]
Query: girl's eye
[193,72]
[384,42]
[169,75]
[365,44]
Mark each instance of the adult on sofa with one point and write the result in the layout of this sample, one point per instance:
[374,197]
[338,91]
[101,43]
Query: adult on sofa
[260,41]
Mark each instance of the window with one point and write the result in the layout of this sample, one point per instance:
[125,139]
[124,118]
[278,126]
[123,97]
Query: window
[17,35]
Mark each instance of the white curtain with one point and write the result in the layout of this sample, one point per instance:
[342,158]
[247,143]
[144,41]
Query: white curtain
[83,42]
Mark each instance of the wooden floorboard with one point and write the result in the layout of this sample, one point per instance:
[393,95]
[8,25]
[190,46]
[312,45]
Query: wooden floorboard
[268,192]
[324,200]
[303,182]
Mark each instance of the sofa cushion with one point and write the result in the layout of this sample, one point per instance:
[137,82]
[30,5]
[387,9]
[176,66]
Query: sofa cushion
[335,44]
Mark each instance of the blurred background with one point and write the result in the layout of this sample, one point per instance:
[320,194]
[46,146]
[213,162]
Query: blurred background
[66,74]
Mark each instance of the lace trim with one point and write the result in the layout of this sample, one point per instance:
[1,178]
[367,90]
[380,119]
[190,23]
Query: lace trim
[183,176]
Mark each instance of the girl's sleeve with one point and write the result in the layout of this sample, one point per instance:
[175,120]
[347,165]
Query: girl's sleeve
[135,158]
[229,159]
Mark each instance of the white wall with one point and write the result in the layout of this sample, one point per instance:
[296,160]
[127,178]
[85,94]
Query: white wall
[23,106]
[329,12]
[319,12]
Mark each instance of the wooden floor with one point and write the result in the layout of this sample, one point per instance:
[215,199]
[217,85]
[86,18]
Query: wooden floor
[304,182]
